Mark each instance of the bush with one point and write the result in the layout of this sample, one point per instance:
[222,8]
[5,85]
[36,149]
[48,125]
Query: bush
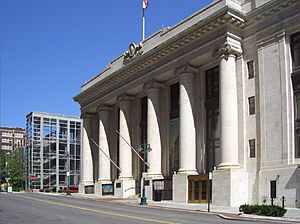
[265,210]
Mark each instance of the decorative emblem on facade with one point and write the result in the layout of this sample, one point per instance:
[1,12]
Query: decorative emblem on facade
[228,49]
[133,50]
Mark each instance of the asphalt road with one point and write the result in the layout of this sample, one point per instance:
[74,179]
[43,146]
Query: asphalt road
[35,208]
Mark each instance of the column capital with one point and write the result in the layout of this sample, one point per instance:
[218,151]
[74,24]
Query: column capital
[102,108]
[87,115]
[227,50]
[187,68]
[124,97]
[153,85]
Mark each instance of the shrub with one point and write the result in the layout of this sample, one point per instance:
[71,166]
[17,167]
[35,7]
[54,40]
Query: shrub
[265,210]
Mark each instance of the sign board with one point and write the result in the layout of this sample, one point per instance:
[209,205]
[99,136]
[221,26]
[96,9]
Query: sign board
[107,189]
[158,185]
[9,189]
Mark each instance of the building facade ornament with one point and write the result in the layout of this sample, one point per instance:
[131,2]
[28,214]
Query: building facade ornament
[87,115]
[153,85]
[104,108]
[133,51]
[228,49]
[124,97]
[187,68]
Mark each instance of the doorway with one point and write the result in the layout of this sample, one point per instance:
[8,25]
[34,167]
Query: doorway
[199,189]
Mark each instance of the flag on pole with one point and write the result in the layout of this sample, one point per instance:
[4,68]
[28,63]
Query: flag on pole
[145,4]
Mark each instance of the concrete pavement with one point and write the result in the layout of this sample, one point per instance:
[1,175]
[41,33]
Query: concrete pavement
[231,213]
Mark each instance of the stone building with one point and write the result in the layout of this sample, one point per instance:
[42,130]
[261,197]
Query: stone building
[11,139]
[217,93]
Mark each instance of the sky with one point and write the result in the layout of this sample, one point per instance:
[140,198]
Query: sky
[49,48]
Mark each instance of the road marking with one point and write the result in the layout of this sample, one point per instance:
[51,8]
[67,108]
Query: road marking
[97,211]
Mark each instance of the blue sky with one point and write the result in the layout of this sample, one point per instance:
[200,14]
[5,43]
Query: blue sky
[48,48]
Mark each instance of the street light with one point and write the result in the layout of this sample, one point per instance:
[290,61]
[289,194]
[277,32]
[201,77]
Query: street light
[68,172]
[145,147]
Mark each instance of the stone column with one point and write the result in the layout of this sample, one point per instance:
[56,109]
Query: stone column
[187,131]
[153,130]
[104,162]
[228,107]
[86,156]
[230,182]
[125,152]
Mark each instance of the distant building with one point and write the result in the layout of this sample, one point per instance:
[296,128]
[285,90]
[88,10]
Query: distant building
[11,138]
[217,99]
[54,144]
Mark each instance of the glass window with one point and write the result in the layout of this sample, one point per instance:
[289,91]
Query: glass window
[174,95]
[250,66]
[273,189]
[251,101]
[143,123]
[252,148]
[295,49]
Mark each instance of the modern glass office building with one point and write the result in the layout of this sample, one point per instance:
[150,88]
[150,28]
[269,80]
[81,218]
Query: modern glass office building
[53,151]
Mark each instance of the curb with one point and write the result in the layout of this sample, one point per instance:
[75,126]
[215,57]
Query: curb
[226,216]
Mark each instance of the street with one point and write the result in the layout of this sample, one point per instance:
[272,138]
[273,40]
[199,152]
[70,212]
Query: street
[35,208]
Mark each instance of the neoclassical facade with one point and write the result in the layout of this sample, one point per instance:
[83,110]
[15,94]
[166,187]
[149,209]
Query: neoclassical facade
[211,104]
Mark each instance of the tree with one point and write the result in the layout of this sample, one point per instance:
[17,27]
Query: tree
[14,169]
[2,166]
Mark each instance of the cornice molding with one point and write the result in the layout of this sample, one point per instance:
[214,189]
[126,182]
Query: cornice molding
[104,108]
[268,11]
[124,97]
[87,116]
[187,68]
[153,85]
[139,63]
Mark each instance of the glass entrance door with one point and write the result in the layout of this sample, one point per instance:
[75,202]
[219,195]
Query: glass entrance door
[199,189]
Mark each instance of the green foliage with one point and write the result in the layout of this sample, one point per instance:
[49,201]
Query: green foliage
[265,210]
[2,166]
[14,169]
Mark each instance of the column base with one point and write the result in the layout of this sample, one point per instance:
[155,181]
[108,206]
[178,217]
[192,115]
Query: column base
[229,187]
[124,188]
[149,177]
[187,171]
[86,187]
[98,186]
[228,166]
[180,187]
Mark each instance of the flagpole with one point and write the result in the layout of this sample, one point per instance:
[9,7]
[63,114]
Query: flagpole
[143,23]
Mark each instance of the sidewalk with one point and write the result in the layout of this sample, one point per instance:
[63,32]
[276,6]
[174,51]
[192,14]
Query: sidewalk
[231,213]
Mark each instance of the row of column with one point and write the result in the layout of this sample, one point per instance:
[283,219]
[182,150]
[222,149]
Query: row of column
[187,134]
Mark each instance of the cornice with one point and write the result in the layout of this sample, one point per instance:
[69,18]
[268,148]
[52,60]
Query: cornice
[187,68]
[267,11]
[87,116]
[226,16]
[105,108]
[124,97]
[153,85]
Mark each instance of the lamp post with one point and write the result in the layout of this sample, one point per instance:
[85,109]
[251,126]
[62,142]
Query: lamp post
[208,201]
[145,147]
[6,175]
[68,172]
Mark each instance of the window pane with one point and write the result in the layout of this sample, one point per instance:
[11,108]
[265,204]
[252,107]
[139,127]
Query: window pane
[251,101]
[252,148]
[250,66]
